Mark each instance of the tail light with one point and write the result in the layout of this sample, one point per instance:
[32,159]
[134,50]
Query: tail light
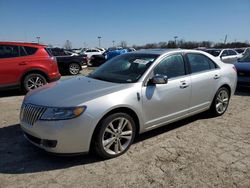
[53,58]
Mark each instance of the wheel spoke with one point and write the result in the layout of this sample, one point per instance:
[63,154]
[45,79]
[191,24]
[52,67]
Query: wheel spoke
[126,133]
[109,131]
[116,147]
[120,145]
[108,141]
[122,123]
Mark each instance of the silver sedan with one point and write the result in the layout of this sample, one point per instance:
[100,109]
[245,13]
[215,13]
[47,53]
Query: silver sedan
[128,95]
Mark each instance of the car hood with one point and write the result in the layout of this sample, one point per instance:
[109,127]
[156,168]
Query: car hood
[242,66]
[72,92]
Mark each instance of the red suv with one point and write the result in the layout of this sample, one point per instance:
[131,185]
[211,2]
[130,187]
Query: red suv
[26,66]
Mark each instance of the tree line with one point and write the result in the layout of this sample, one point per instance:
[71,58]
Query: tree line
[192,44]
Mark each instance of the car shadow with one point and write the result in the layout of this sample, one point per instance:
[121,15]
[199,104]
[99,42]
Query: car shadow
[18,156]
[11,93]
[242,91]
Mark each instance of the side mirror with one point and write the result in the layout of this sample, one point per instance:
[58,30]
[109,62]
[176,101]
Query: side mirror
[158,79]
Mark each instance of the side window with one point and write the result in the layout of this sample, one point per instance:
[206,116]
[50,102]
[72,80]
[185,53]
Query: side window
[94,51]
[22,51]
[199,63]
[172,66]
[224,53]
[88,51]
[231,52]
[8,51]
[30,50]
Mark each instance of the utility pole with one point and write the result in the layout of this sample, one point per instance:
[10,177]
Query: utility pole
[225,40]
[99,40]
[175,37]
[38,39]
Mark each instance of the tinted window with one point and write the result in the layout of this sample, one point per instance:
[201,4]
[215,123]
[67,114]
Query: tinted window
[224,53]
[231,52]
[30,50]
[199,62]
[8,51]
[22,51]
[88,51]
[172,66]
[214,52]
[94,50]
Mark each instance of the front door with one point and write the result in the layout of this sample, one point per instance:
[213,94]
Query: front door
[165,102]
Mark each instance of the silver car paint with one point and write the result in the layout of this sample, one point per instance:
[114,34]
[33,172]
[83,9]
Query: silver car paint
[151,104]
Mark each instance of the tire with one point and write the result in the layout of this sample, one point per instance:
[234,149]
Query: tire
[117,139]
[74,68]
[220,102]
[33,81]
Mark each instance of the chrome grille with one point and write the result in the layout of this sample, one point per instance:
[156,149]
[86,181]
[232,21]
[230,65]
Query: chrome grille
[31,113]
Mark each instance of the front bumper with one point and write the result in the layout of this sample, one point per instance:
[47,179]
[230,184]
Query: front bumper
[61,137]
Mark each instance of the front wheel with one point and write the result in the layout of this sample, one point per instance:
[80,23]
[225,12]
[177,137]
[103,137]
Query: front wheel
[33,81]
[115,135]
[220,102]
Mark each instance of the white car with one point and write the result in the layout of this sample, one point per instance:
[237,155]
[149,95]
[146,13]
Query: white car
[225,55]
[128,95]
[93,51]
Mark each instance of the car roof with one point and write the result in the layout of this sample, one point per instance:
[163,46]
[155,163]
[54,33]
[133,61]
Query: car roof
[164,51]
[155,51]
[23,44]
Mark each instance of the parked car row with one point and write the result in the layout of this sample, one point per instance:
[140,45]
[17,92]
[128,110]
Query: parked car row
[225,55]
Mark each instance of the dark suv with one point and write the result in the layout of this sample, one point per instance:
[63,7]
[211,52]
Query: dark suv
[26,66]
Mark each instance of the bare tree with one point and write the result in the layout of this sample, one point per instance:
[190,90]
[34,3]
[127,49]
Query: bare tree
[123,44]
[67,45]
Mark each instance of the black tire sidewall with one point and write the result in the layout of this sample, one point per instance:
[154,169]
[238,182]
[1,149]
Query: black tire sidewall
[27,77]
[98,142]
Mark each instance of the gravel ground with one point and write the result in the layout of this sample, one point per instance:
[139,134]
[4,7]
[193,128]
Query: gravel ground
[196,152]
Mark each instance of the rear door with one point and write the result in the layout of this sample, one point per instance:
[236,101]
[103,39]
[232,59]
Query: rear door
[11,64]
[205,75]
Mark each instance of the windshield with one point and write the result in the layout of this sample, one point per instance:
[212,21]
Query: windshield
[246,57]
[126,68]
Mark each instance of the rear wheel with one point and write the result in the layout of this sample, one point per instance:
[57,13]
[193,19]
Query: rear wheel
[74,68]
[220,102]
[33,81]
[115,135]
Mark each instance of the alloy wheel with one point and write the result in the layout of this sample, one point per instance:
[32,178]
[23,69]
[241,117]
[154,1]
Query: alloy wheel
[74,68]
[117,136]
[222,101]
[35,82]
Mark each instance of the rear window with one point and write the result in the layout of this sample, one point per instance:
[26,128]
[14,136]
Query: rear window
[48,51]
[30,50]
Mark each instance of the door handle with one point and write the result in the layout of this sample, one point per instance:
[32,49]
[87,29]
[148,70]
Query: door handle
[216,76]
[184,85]
[22,63]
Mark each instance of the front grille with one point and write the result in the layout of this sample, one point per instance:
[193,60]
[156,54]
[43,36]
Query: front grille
[31,113]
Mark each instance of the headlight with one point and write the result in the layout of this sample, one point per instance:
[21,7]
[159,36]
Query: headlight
[62,113]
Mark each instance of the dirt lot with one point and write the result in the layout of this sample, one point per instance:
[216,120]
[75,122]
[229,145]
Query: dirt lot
[197,152]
